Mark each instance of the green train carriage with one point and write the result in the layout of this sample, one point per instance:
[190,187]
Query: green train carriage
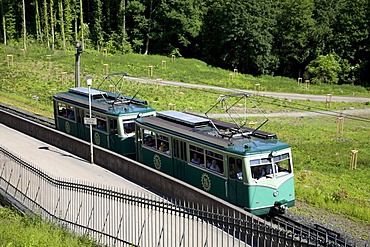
[255,170]
[115,115]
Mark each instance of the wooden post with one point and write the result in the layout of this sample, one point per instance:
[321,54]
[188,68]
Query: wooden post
[299,80]
[257,88]
[9,59]
[164,64]
[328,100]
[353,159]
[307,83]
[171,106]
[64,77]
[340,121]
[173,58]
[231,76]
[150,70]
[48,57]
[235,72]
[106,68]
[105,52]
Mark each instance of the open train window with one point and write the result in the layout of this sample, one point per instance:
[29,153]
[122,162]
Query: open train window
[129,127]
[66,111]
[282,163]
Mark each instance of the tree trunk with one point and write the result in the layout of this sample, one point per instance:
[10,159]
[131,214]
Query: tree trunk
[24,26]
[149,28]
[46,23]
[62,24]
[52,24]
[3,20]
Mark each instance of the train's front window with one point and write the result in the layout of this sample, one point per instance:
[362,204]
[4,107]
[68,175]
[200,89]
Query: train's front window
[129,128]
[270,167]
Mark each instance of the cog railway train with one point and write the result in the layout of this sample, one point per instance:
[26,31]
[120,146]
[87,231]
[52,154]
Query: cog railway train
[248,167]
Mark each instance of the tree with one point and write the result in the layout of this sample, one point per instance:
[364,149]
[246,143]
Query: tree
[237,34]
[325,69]
[293,35]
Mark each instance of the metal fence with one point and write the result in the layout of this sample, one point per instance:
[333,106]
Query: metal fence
[124,218]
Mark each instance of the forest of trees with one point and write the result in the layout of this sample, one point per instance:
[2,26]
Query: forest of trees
[327,41]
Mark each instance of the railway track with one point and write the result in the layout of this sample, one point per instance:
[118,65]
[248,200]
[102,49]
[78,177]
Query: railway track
[308,235]
[29,116]
[313,235]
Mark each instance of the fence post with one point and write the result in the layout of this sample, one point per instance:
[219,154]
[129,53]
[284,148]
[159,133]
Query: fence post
[171,106]
[299,80]
[150,70]
[105,52]
[353,159]
[106,67]
[340,121]
[257,88]
[328,100]
[64,77]
[10,60]
[164,64]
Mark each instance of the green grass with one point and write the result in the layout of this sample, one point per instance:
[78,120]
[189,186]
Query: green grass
[18,230]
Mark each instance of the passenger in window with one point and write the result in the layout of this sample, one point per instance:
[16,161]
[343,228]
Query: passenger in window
[232,169]
[239,172]
[71,115]
[209,163]
[101,125]
[214,166]
[163,147]
[261,172]
[149,141]
[195,159]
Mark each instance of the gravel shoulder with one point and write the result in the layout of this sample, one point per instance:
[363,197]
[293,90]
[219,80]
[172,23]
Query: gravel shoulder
[352,231]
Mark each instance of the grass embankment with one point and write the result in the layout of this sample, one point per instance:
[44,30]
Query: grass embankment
[19,230]
[321,156]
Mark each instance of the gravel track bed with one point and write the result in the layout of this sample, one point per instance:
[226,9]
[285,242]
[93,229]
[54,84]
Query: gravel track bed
[354,232]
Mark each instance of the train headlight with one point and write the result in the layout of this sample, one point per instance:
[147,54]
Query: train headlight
[276,193]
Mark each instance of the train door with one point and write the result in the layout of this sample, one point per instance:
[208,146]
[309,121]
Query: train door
[179,158]
[235,181]
[114,140]
[81,129]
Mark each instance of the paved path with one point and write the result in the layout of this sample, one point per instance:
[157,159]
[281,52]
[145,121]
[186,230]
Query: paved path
[269,94]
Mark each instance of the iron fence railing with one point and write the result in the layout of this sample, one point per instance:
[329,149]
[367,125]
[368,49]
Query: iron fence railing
[116,217]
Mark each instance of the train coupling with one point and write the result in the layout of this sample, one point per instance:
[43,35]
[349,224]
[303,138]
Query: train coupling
[281,206]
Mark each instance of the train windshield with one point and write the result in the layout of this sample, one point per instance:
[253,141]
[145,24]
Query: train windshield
[129,128]
[271,167]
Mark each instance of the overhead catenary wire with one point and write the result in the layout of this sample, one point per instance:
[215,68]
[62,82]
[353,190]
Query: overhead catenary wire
[301,107]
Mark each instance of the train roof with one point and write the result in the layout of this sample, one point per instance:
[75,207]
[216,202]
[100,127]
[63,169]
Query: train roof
[103,101]
[213,132]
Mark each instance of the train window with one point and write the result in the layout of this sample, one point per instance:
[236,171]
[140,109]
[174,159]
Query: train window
[101,122]
[196,155]
[235,168]
[129,127]
[214,161]
[162,143]
[66,111]
[113,126]
[282,163]
[261,168]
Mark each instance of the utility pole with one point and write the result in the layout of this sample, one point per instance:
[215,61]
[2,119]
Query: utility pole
[77,66]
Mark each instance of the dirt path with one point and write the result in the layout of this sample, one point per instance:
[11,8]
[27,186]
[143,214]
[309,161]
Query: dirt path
[269,94]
